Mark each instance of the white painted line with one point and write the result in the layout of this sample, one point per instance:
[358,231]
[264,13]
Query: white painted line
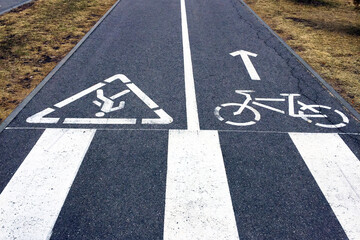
[248,64]
[119,94]
[268,107]
[122,78]
[270,99]
[150,103]
[198,202]
[337,172]
[32,200]
[100,121]
[97,103]
[191,105]
[39,117]
[164,118]
[79,95]
[106,107]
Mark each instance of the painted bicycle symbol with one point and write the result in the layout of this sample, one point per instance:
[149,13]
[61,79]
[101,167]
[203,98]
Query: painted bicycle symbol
[242,114]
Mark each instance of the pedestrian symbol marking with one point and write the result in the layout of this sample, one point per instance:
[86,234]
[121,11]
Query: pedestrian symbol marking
[106,105]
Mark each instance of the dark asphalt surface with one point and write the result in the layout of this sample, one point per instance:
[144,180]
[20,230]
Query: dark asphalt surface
[119,191]
[7,5]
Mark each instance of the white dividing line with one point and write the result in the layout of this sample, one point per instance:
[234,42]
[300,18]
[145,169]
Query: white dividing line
[32,200]
[191,105]
[198,203]
[337,172]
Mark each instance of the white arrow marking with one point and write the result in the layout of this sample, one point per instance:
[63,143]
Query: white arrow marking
[248,64]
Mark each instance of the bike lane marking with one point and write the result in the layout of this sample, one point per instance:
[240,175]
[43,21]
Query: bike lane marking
[198,203]
[336,170]
[32,200]
[222,27]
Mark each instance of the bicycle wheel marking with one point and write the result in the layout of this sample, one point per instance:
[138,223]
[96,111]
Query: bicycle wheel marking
[255,112]
[333,117]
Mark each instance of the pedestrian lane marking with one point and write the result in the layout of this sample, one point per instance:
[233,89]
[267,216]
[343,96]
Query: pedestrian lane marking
[336,170]
[32,200]
[106,106]
[198,202]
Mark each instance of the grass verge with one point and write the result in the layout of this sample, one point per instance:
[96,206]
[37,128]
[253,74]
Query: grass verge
[35,37]
[325,33]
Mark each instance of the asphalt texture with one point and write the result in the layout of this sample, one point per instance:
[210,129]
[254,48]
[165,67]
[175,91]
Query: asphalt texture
[119,191]
[8,5]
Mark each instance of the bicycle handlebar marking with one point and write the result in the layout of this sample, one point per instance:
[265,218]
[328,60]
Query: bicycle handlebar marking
[232,113]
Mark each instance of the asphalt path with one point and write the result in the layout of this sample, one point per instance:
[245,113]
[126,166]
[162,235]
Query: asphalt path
[134,136]
[8,5]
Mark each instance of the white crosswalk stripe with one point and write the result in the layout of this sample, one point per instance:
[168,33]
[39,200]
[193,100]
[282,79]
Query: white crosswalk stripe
[198,202]
[337,172]
[32,200]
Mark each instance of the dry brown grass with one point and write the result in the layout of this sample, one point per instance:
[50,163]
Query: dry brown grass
[35,37]
[325,33]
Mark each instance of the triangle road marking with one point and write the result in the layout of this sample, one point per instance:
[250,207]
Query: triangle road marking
[164,118]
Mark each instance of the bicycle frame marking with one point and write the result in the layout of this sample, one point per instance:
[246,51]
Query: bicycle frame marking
[291,109]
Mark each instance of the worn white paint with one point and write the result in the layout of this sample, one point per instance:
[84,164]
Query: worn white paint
[337,172]
[248,64]
[102,121]
[164,118]
[32,200]
[120,94]
[198,203]
[120,77]
[40,117]
[190,94]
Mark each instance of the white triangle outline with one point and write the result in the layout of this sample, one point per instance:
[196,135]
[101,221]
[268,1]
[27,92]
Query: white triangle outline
[164,118]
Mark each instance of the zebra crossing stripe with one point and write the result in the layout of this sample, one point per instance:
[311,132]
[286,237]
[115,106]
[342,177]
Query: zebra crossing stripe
[337,172]
[198,203]
[32,200]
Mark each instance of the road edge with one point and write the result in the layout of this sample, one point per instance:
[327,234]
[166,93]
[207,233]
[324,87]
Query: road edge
[17,110]
[16,6]
[332,91]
